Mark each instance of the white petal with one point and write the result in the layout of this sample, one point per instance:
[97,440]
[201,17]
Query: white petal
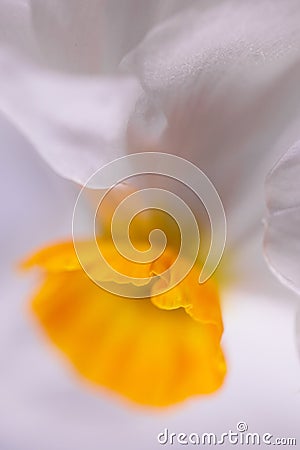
[86,37]
[15,29]
[225,81]
[63,35]
[76,123]
[282,234]
[126,22]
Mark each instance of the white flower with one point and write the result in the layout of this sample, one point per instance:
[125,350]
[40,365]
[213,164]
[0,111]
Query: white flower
[216,84]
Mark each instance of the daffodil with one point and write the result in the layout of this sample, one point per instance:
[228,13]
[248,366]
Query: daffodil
[217,83]
[156,351]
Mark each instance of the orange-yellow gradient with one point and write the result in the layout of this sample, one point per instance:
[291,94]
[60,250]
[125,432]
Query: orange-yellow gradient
[155,351]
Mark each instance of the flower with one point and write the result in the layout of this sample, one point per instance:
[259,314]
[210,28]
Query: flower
[155,350]
[217,85]
[149,350]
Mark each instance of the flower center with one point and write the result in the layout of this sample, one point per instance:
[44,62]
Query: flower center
[154,351]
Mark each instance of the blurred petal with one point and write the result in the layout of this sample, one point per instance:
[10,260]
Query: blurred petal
[69,33]
[85,37]
[151,356]
[76,123]
[57,34]
[282,234]
[122,32]
[15,27]
[221,85]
